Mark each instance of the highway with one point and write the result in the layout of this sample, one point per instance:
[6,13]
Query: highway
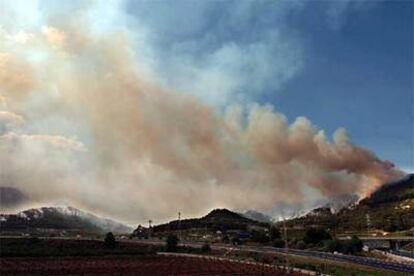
[404,253]
[370,262]
[384,238]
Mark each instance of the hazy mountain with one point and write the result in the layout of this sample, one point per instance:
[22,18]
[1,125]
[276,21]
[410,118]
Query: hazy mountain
[11,198]
[390,208]
[59,218]
[255,215]
[218,219]
[321,211]
[342,201]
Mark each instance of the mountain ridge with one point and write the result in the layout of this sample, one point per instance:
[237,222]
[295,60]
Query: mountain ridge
[59,218]
[390,208]
[218,219]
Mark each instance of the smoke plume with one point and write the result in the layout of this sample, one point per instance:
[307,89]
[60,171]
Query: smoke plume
[82,122]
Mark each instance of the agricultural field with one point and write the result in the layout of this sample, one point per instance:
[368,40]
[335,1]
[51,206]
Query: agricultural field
[36,247]
[35,256]
[131,265]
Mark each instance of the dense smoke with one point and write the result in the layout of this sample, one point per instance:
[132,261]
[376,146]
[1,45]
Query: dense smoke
[82,122]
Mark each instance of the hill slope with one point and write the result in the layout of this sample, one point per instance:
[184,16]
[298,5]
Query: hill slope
[255,215]
[59,218]
[390,208]
[218,219]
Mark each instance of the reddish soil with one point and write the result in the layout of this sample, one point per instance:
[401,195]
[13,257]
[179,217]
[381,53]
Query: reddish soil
[131,265]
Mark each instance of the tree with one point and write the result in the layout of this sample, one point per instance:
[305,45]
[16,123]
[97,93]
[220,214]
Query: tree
[259,236]
[140,232]
[316,235]
[355,245]
[275,233]
[300,245]
[236,241]
[347,247]
[334,245]
[226,239]
[206,248]
[278,243]
[171,243]
[109,241]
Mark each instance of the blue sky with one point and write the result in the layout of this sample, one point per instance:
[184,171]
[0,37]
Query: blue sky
[340,63]
[359,76]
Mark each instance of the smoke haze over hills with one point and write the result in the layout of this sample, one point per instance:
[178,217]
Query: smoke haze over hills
[83,119]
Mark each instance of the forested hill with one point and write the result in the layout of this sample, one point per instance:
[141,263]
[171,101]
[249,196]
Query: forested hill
[390,208]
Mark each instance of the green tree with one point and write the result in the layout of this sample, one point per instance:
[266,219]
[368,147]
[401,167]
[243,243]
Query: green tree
[347,247]
[278,243]
[109,241]
[236,241]
[355,245]
[206,248]
[226,239]
[171,243]
[259,236]
[275,233]
[334,245]
[300,245]
[316,235]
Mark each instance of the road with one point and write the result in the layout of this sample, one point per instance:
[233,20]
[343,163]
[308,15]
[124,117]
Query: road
[371,262]
[384,238]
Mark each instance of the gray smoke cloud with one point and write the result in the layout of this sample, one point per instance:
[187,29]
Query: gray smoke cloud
[82,122]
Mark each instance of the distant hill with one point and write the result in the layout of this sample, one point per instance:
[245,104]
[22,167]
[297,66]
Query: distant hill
[337,203]
[218,219]
[258,216]
[49,219]
[390,208]
[11,197]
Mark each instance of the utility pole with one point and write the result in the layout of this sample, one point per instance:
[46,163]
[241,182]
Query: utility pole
[368,218]
[179,225]
[286,244]
[149,229]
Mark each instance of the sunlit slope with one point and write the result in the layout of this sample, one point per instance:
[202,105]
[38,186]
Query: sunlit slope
[390,208]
